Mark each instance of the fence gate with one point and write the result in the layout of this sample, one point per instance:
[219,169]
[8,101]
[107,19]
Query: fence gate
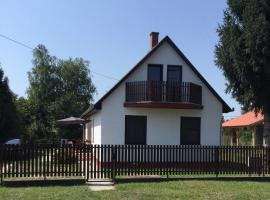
[108,161]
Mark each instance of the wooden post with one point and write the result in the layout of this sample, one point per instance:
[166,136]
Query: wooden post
[263,160]
[231,137]
[113,172]
[1,162]
[253,136]
[237,136]
[259,134]
[217,161]
[167,161]
[84,132]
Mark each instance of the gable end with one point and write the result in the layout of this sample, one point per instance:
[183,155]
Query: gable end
[97,105]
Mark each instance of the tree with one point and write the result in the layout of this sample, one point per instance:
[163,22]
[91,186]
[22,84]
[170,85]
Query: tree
[58,89]
[76,88]
[25,118]
[243,54]
[42,91]
[8,116]
[75,94]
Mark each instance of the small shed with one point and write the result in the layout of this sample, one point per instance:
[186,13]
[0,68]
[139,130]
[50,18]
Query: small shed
[248,120]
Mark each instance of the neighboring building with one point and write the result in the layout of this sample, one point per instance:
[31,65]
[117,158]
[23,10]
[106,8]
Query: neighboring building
[235,127]
[162,100]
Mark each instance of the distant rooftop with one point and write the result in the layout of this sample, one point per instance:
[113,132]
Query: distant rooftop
[245,120]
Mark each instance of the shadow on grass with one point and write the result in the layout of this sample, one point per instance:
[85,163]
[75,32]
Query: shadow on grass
[162,179]
[136,179]
[42,182]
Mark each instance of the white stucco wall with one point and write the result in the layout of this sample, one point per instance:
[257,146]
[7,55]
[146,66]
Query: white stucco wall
[87,131]
[163,125]
[95,128]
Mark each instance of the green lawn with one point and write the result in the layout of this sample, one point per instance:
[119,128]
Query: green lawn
[183,189]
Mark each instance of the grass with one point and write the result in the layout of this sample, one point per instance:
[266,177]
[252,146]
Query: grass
[180,189]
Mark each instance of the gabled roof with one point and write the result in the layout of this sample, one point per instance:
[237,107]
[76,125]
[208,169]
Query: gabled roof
[245,120]
[97,105]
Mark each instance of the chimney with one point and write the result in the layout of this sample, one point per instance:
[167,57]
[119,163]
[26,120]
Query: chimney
[153,39]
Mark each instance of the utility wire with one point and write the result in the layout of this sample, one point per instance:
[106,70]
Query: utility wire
[103,75]
[15,41]
[28,47]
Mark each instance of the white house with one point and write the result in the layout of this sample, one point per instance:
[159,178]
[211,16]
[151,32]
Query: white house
[162,100]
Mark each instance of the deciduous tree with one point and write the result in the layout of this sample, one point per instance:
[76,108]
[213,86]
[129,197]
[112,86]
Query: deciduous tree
[58,88]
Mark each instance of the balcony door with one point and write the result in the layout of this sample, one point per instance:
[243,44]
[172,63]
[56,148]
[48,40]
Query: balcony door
[174,80]
[154,83]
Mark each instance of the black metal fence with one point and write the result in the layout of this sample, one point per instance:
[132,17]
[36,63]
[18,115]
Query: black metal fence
[108,161]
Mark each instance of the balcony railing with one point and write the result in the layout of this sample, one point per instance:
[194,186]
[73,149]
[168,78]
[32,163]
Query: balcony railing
[163,91]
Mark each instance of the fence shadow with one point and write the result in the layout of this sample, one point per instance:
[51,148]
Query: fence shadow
[42,182]
[120,180]
[162,179]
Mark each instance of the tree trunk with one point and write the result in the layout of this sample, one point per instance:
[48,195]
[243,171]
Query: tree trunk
[266,127]
[259,135]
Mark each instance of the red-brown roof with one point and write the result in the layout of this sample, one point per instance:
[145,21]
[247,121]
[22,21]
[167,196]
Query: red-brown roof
[247,119]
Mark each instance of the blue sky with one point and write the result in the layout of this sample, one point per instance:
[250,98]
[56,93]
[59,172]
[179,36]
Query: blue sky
[113,35]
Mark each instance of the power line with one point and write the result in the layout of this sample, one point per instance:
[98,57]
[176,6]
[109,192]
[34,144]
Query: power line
[28,47]
[15,41]
[103,75]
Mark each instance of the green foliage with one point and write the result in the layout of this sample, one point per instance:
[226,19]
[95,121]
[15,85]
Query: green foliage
[58,89]
[76,87]
[51,141]
[42,93]
[246,137]
[75,94]
[243,52]
[24,122]
[8,114]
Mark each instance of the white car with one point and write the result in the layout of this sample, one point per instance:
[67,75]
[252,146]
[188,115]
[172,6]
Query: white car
[14,141]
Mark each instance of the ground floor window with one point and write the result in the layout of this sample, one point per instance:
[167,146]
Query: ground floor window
[135,129]
[190,130]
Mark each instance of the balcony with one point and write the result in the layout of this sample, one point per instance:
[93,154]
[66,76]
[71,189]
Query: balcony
[163,94]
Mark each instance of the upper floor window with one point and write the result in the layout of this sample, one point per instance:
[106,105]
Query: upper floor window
[155,72]
[174,73]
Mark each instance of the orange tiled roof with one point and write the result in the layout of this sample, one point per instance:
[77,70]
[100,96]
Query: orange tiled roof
[247,119]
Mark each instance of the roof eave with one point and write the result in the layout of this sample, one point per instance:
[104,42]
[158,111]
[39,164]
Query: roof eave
[226,108]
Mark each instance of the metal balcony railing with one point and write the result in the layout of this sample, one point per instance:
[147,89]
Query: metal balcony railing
[163,91]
